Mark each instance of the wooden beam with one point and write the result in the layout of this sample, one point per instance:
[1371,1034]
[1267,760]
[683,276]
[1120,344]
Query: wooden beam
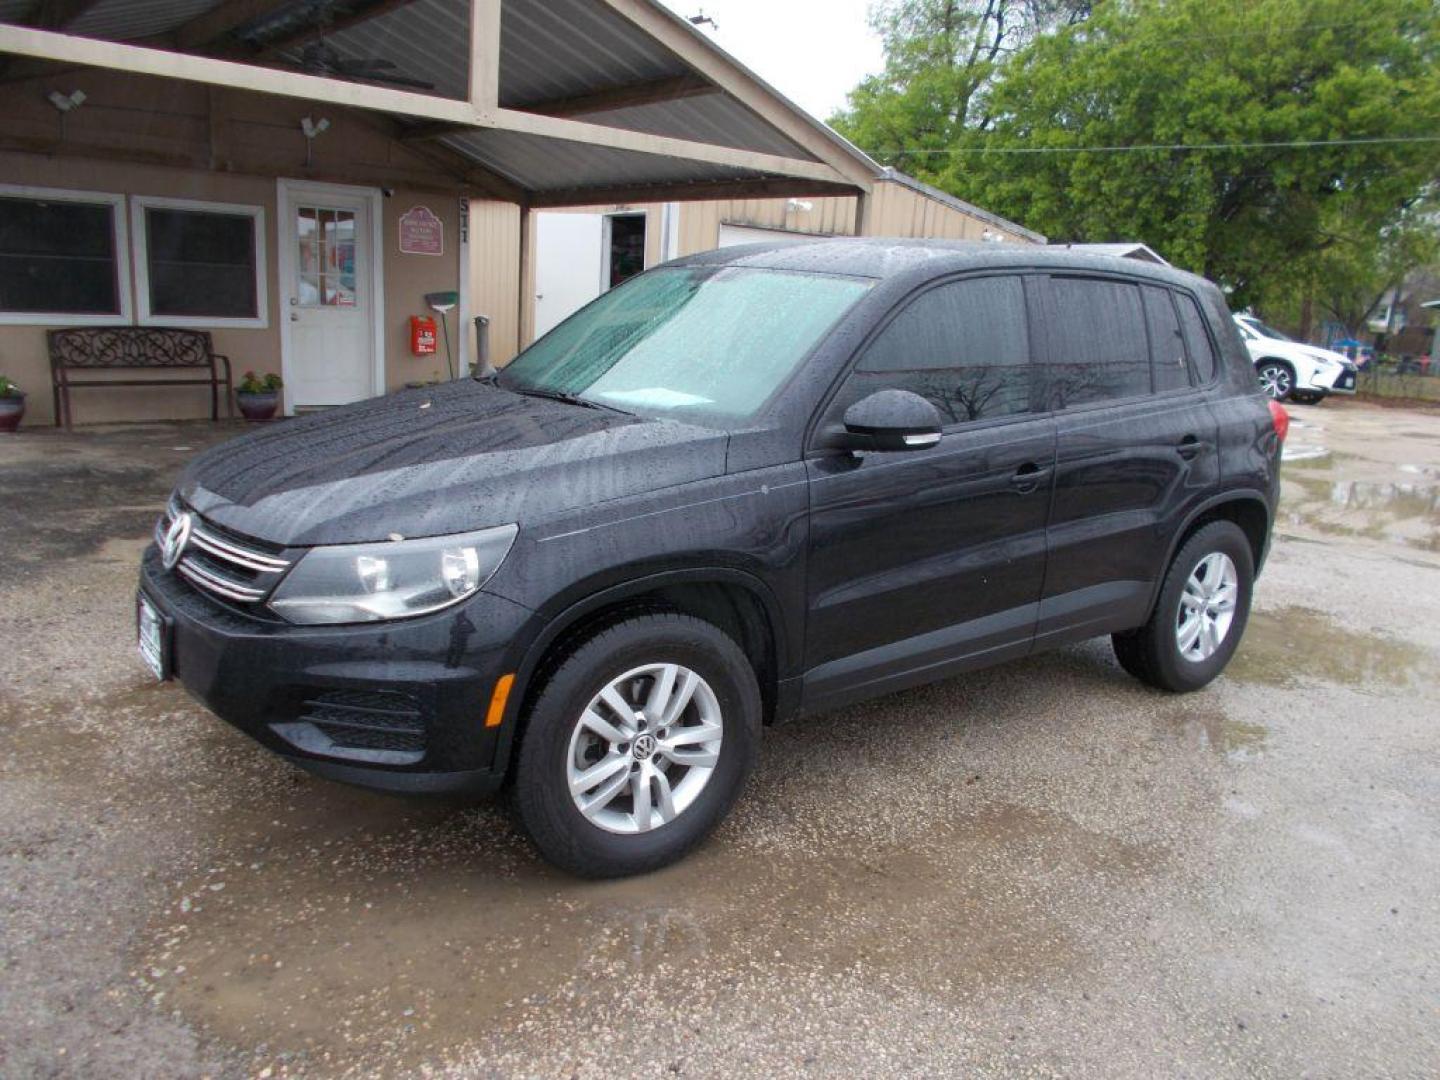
[47,15]
[630,95]
[691,46]
[554,127]
[632,194]
[485,53]
[91,52]
[218,21]
[70,149]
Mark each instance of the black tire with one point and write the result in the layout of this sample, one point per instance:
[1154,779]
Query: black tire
[542,796]
[1281,376]
[1151,652]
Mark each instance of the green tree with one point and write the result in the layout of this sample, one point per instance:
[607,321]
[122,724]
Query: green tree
[940,58]
[1357,264]
[1195,73]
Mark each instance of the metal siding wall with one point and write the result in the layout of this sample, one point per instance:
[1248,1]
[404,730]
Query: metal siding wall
[495,273]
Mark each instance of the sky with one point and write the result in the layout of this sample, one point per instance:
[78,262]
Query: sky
[812,51]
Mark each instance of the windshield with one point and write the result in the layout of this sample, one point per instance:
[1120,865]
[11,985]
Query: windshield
[1267,331]
[699,343]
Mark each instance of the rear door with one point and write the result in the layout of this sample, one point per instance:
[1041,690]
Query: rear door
[924,562]
[1135,448]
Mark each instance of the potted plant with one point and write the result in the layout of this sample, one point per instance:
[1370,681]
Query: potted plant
[259,395]
[12,404]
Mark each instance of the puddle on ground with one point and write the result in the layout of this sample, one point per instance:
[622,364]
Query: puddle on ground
[1211,729]
[401,942]
[1284,646]
[1399,512]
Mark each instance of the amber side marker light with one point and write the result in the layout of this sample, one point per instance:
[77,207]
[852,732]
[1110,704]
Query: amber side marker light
[501,695]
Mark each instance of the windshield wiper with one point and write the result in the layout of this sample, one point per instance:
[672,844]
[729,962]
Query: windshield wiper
[569,399]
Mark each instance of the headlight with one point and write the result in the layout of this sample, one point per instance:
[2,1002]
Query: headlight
[369,582]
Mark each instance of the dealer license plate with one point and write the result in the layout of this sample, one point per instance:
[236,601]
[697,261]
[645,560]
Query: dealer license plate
[151,633]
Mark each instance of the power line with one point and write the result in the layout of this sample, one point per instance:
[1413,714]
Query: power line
[1135,148]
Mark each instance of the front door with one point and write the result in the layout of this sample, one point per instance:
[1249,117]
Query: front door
[925,562]
[330,294]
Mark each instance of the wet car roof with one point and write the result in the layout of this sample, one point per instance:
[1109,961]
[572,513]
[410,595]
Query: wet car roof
[882,257]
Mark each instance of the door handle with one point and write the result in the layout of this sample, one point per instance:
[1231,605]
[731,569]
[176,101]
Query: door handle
[1028,477]
[1189,446]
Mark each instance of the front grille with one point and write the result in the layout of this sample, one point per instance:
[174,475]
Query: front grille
[220,563]
[360,725]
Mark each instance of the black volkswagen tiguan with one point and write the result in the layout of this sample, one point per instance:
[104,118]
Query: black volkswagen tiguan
[745,486]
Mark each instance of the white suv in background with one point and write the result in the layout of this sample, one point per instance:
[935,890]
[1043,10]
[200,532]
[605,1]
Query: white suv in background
[1290,370]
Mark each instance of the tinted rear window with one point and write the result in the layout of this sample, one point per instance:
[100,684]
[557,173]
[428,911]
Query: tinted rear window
[1096,346]
[1202,353]
[1167,344]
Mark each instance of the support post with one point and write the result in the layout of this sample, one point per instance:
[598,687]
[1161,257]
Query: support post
[525,327]
[864,214]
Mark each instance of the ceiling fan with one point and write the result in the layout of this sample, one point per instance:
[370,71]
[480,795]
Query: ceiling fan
[319,57]
[296,33]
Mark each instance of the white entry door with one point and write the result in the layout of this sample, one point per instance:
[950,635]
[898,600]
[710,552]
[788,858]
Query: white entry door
[331,294]
[569,267]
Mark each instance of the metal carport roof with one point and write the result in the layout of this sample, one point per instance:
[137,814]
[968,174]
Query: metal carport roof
[556,101]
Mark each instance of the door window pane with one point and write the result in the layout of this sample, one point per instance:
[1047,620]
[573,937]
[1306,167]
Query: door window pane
[964,346]
[326,257]
[1096,346]
[58,257]
[1202,353]
[1167,346]
[201,263]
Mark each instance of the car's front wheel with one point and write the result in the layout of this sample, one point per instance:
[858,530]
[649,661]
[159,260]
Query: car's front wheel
[1277,379]
[637,745]
[1200,615]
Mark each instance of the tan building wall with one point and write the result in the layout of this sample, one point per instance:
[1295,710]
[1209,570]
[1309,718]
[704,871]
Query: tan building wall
[229,147]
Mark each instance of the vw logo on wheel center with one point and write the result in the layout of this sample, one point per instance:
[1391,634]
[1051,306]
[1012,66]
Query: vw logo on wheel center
[176,537]
[643,747]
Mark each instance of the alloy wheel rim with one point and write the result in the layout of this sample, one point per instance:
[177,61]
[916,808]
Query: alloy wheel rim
[1275,381]
[1207,607]
[644,748]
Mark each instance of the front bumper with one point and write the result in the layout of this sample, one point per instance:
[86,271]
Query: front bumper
[398,706]
[1326,381]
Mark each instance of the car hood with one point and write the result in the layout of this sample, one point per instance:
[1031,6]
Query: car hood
[445,459]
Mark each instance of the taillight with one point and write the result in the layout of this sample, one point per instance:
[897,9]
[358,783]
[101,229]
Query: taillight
[1281,419]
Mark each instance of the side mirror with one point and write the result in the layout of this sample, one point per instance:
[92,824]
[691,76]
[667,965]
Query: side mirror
[890,420]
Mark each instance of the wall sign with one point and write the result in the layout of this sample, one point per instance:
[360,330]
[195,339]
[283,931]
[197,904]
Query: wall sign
[421,232]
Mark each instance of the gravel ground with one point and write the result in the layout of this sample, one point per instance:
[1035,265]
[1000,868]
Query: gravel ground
[1043,869]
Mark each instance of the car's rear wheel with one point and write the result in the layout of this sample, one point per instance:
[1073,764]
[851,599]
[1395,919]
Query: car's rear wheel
[637,745]
[1200,615]
[1277,379]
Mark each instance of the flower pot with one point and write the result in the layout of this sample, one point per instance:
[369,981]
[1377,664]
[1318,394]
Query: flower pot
[12,408]
[257,407]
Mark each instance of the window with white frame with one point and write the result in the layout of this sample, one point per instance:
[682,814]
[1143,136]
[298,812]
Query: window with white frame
[63,258]
[199,263]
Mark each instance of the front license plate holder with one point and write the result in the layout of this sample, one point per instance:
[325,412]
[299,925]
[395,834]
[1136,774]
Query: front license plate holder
[153,634]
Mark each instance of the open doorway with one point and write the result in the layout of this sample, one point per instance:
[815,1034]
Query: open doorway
[624,247]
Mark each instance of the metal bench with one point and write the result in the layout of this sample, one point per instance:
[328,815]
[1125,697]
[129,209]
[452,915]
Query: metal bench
[110,348]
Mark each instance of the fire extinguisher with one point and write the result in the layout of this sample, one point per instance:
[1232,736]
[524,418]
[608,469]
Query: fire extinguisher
[422,335]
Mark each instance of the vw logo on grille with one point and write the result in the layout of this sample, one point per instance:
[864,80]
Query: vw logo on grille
[176,537]
[643,747]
